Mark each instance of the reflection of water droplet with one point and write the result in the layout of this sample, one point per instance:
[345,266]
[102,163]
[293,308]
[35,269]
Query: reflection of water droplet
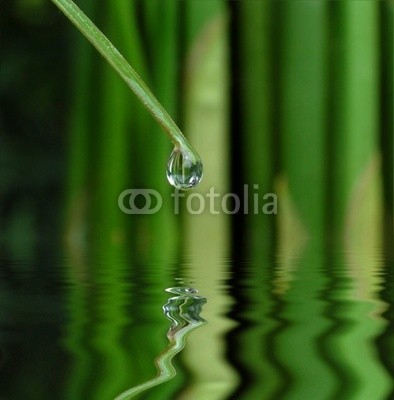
[185,282]
[184,171]
[182,290]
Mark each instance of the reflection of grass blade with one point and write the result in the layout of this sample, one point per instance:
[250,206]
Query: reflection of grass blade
[184,312]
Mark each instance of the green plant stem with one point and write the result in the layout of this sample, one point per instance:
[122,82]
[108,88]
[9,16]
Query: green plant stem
[126,72]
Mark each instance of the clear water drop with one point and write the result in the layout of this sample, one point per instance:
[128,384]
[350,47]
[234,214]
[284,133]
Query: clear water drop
[184,170]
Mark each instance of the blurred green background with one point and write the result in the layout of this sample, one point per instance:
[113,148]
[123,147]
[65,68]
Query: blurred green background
[293,96]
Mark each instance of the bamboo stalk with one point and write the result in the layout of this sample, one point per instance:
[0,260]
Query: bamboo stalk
[164,62]
[354,187]
[303,109]
[386,338]
[112,153]
[79,142]
[253,104]
[354,161]
[206,236]
[108,226]
[387,118]
[303,116]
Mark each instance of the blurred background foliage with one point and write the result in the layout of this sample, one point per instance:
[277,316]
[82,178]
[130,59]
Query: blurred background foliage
[304,103]
[293,96]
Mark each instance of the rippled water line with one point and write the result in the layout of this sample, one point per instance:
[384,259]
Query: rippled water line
[332,294]
[183,310]
[348,345]
[252,343]
[281,322]
[385,341]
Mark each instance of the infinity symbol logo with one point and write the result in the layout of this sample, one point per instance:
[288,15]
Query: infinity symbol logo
[146,205]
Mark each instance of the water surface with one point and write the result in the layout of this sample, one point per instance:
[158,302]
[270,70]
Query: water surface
[316,326]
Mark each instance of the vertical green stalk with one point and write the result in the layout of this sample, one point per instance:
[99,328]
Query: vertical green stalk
[206,236]
[303,116]
[253,98]
[303,109]
[78,194]
[161,30]
[162,20]
[108,226]
[148,161]
[354,124]
[254,104]
[386,340]
[387,118]
[117,122]
[79,141]
[355,183]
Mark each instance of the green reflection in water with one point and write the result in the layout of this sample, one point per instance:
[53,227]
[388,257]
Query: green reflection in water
[98,318]
[310,333]
[184,312]
[355,309]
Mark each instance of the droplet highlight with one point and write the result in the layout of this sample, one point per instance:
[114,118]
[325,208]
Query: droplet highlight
[184,171]
[182,290]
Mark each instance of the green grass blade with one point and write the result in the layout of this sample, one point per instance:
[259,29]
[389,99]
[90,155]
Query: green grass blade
[124,69]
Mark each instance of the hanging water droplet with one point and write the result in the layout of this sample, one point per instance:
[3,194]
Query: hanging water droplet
[184,170]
